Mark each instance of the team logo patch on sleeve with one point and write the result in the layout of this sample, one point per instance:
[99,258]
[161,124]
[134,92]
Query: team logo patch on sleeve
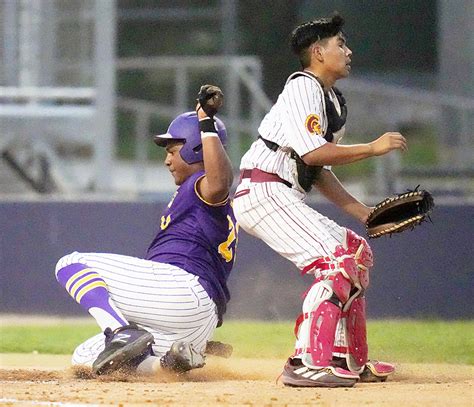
[313,124]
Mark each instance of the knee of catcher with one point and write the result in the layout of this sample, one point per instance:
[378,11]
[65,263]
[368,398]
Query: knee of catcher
[341,287]
[360,249]
[345,274]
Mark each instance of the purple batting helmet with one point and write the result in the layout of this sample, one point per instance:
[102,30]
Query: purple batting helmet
[185,128]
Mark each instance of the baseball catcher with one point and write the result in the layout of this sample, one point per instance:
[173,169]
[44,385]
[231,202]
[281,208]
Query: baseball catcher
[297,145]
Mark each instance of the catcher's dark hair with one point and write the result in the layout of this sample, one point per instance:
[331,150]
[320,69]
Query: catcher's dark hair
[312,31]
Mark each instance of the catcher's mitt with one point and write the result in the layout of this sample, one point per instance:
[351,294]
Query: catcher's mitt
[211,99]
[399,213]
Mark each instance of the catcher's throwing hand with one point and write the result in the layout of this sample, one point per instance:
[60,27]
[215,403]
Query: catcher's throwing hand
[388,142]
[399,213]
[210,99]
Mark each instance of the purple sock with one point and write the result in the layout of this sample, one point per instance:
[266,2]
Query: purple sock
[89,289]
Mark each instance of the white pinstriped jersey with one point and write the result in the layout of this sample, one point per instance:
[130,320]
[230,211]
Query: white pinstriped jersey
[270,210]
[297,121]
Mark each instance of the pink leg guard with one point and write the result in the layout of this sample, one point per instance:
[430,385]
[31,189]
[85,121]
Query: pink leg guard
[336,275]
[323,328]
[316,327]
[357,334]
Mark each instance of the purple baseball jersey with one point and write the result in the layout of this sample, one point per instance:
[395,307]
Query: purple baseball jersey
[200,238]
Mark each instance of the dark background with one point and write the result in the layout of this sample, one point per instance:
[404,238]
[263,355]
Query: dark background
[426,273]
[394,40]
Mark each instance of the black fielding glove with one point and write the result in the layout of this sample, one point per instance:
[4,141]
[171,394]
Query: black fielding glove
[211,99]
[399,213]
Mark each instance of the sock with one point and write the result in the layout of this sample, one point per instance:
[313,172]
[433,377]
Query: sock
[87,287]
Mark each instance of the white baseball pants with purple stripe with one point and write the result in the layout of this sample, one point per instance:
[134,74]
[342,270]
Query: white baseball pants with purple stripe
[165,300]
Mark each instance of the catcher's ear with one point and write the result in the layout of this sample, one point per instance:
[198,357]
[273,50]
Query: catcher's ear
[317,52]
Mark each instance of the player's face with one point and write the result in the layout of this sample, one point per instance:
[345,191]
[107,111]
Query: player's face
[337,56]
[180,169]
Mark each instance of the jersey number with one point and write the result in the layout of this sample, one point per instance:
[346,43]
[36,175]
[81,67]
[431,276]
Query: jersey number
[165,221]
[225,248]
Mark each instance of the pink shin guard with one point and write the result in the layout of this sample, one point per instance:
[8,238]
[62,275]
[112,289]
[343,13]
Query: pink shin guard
[357,334]
[336,278]
[322,331]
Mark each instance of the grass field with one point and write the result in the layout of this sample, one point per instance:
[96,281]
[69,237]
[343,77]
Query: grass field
[394,340]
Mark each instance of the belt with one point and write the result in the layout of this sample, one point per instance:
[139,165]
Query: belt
[257,175]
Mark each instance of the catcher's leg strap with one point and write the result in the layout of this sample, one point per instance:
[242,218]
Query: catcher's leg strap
[342,262]
[353,258]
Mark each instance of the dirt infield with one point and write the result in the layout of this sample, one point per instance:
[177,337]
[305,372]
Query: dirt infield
[40,379]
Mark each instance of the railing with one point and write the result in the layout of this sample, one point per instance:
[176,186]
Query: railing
[378,107]
[241,73]
[404,105]
[372,105]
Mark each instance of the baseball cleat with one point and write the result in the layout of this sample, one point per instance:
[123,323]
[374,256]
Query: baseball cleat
[296,374]
[375,371]
[122,348]
[181,358]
